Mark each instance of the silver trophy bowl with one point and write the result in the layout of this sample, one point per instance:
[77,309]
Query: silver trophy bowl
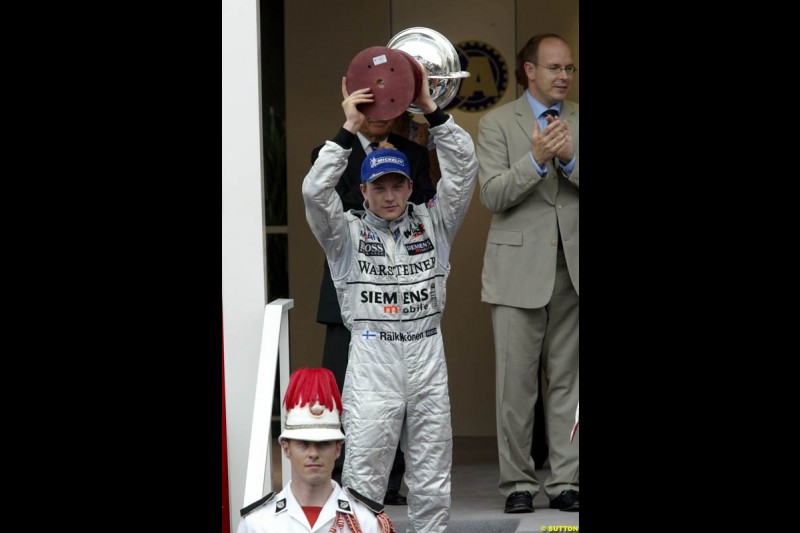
[438,56]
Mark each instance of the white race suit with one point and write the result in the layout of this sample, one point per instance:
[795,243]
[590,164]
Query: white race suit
[390,280]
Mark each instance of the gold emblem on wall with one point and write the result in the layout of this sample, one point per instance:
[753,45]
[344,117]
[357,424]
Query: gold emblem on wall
[488,76]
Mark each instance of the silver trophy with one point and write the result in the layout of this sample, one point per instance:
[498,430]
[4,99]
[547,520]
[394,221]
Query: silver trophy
[394,72]
[435,53]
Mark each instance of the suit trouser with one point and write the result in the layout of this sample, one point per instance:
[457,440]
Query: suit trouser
[334,358]
[524,339]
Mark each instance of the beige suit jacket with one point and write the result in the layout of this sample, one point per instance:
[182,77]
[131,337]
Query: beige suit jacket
[520,260]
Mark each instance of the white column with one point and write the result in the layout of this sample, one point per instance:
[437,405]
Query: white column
[243,263]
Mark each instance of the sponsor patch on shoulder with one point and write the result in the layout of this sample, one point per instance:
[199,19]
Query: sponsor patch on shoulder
[371,248]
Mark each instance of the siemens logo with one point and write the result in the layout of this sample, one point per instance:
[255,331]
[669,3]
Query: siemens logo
[407,297]
[419,247]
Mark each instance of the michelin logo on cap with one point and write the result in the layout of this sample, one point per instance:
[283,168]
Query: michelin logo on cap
[384,161]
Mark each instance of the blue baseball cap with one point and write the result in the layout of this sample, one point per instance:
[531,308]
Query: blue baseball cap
[384,161]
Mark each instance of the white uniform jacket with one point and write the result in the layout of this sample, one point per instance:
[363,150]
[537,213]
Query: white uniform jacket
[281,513]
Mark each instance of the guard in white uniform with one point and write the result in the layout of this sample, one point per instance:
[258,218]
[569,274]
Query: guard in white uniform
[312,440]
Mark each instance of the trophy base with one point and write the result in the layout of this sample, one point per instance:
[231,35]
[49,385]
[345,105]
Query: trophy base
[393,76]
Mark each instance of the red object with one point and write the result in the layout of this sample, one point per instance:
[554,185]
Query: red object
[417,69]
[307,385]
[392,76]
[312,513]
[226,519]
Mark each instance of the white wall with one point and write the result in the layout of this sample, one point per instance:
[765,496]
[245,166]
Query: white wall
[243,262]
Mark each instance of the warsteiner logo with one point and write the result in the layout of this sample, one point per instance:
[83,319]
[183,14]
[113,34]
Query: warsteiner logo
[488,76]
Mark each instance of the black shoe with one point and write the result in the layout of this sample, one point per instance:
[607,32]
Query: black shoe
[519,502]
[566,501]
[393,497]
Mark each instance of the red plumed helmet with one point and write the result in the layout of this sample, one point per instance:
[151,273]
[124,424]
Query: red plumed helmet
[313,406]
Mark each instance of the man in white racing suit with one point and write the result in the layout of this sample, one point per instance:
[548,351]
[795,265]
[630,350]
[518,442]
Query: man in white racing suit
[389,264]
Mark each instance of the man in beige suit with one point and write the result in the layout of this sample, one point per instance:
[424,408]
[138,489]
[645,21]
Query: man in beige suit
[528,154]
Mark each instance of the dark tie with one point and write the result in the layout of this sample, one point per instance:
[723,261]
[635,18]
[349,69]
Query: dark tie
[373,146]
[550,113]
[553,113]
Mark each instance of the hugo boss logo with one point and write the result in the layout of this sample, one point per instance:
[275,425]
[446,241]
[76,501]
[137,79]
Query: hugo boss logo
[371,248]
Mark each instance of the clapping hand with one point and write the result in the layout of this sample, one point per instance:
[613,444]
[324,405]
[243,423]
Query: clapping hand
[554,141]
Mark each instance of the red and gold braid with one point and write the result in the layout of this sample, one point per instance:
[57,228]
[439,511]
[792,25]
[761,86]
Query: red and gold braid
[386,524]
[352,522]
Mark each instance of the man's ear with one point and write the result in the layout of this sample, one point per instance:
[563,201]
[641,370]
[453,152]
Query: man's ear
[530,69]
[338,448]
[363,190]
[285,448]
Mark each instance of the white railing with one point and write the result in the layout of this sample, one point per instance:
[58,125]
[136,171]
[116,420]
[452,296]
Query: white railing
[274,354]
